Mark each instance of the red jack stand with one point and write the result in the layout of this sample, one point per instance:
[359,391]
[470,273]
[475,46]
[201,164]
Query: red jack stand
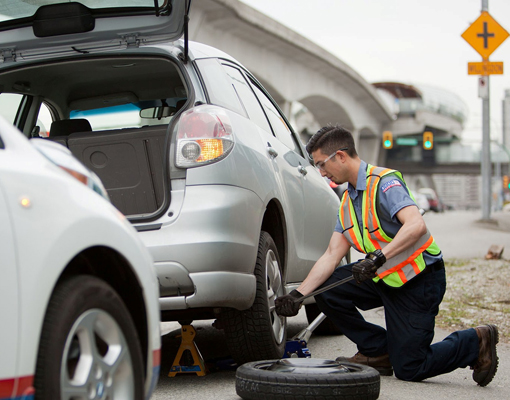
[188,334]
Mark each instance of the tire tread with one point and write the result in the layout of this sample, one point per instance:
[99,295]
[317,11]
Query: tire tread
[248,332]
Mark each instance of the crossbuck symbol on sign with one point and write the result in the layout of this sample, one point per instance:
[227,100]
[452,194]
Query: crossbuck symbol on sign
[486,35]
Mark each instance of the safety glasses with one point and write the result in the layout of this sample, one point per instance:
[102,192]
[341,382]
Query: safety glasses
[321,164]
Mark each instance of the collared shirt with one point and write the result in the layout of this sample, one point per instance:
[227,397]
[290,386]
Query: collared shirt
[393,196]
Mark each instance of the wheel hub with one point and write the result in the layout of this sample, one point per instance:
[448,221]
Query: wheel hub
[305,365]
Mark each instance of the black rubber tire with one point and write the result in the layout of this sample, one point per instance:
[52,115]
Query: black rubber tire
[326,327]
[307,379]
[71,329]
[250,334]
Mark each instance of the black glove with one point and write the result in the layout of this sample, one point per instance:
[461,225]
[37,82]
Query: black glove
[365,269]
[286,306]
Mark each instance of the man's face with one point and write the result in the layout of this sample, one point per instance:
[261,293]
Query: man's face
[330,165]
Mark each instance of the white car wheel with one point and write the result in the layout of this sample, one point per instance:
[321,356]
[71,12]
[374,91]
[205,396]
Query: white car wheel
[89,347]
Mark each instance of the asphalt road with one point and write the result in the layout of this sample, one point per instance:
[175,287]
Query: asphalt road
[459,234]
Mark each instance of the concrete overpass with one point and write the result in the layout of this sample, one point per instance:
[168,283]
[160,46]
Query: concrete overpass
[294,69]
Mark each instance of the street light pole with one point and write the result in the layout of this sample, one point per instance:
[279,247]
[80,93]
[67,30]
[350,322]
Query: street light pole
[486,153]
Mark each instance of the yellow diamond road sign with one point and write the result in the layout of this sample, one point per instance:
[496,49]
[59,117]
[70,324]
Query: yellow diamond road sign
[485,35]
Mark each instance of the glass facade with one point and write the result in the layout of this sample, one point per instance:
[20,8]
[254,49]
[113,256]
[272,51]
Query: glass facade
[411,98]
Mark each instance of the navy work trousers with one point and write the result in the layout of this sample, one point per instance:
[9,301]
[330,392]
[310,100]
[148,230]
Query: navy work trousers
[410,313]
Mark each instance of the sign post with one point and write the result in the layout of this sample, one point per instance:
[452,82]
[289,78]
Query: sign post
[485,35]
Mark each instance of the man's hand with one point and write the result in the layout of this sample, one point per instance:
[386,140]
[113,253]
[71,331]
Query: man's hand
[365,269]
[286,306]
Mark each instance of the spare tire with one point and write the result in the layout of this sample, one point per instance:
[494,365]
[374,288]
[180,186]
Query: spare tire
[307,379]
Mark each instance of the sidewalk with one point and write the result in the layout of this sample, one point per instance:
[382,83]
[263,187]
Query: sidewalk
[499,220]
[462,234]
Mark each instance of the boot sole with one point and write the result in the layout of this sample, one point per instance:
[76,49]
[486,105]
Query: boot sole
[494,356]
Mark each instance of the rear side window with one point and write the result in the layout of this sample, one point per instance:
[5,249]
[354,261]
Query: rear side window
[280,127]
[247,97]
[44,120]
[219,86]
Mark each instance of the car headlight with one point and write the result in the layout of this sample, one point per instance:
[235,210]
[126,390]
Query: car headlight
[63,158]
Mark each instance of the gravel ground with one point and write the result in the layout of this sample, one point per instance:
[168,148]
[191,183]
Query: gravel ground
[477,293]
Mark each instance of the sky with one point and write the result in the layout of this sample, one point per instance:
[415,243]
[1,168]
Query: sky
[407,41]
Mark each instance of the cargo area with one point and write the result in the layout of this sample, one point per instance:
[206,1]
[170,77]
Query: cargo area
[113,113]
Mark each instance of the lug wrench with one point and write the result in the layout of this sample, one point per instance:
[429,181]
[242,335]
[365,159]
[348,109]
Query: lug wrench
[330,286]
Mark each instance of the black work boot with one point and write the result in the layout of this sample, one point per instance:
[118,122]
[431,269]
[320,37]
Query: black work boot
[380,363]
[487,364]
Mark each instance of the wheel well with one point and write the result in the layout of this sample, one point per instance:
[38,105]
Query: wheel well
[113,268]
[274,224]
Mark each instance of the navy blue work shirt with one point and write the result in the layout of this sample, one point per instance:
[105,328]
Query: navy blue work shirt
[393,196]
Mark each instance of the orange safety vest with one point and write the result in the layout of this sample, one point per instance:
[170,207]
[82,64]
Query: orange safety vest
[404,266]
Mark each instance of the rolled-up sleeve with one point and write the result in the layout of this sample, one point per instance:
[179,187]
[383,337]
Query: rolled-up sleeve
[393,196]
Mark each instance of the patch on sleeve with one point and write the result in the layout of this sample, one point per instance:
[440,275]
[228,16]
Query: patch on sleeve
[390,184]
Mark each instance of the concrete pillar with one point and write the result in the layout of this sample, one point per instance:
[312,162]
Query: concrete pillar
[368,149]
[506,119]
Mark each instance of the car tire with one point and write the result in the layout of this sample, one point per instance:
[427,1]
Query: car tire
[306,379]
[326,327]
[259,333]
[89,346]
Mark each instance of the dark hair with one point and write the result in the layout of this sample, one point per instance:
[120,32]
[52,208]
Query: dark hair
[331,138]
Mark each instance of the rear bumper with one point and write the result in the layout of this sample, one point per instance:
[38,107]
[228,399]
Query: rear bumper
[215,289]
[205,253]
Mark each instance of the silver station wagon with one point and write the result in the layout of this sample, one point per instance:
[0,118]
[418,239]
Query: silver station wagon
[190,147]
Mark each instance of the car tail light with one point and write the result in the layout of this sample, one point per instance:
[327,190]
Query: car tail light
[204,136]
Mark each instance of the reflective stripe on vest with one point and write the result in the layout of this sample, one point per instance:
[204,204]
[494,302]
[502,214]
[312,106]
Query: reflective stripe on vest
[348,219]
[399,269]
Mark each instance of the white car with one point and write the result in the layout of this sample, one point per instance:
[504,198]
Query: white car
[78,293]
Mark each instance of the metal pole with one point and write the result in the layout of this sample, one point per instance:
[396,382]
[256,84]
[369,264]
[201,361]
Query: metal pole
[506,126]
[499,177]
[486,154]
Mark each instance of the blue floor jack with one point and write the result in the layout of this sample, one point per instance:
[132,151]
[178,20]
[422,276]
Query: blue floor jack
[297,347]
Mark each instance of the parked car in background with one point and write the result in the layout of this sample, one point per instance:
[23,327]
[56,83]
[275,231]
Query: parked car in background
[421,200]
[190,147]
[78,294]
[434,201]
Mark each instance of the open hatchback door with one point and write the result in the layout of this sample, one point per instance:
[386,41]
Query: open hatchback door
[39,28]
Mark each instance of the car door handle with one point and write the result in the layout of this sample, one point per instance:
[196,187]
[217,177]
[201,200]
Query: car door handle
[302,170]
[272,152]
